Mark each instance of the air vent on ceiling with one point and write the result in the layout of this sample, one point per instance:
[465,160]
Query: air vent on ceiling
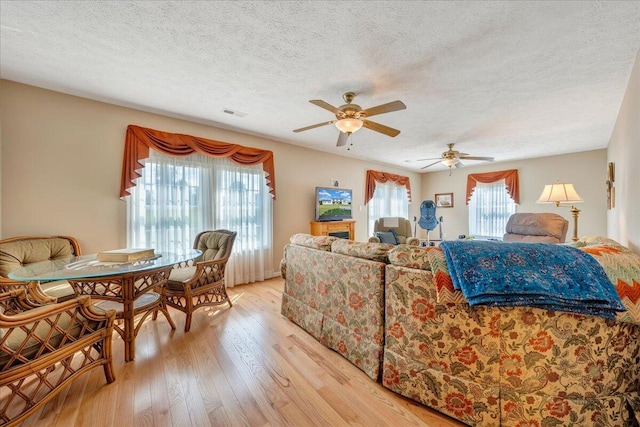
[234,112]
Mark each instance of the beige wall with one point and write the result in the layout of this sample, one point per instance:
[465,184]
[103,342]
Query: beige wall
[624,151]
[62,158]
[586,170]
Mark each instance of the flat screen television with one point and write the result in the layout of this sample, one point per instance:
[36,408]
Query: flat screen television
[333,204]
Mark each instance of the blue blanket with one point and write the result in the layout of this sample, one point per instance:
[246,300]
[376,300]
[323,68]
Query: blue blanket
[543,275]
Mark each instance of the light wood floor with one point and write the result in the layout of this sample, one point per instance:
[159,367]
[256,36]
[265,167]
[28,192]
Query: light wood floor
[244,366]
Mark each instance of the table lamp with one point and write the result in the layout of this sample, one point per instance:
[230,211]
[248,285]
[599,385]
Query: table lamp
[563,193]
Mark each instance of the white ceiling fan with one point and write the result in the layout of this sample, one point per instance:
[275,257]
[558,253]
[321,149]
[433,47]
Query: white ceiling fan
[452,157]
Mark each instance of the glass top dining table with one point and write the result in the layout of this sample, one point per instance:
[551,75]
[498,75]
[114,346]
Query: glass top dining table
[130,288]
[87,266]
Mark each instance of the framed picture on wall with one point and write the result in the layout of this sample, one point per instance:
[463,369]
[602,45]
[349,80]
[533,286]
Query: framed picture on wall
[444,200]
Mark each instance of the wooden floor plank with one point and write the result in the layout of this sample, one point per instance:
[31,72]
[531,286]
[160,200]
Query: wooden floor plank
[245,380]
[244,365]
[289,378]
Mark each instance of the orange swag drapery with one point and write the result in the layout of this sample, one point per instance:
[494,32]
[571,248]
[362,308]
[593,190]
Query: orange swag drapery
[510,179]
[139,140]
[382,177]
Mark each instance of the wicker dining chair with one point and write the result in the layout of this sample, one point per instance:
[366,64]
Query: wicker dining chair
[20,251]
[201,284]
[43,347]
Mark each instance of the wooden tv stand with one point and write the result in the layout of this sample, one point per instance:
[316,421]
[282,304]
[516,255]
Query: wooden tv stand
[333,228]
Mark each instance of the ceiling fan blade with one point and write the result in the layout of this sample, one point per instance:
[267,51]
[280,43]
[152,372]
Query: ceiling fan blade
[430,158]
[459,164]
[380,128]
[384,108]
[486,159]
[342,139]
[320,103]
[431,164]
[314,126]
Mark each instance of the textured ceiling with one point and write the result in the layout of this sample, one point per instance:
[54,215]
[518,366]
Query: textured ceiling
[511,80]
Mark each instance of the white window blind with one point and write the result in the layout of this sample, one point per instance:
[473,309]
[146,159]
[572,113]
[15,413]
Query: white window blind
[176,198]
[490,207]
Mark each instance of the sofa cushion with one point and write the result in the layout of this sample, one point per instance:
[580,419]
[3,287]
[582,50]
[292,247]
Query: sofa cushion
[598,241]
[445,292]
[410,256]
[61,290]
[213,244]
[178,276]
[371,251]
[622,267]
[322,243]
[22,252]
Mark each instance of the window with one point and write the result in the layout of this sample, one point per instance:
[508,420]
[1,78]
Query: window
[490,207]
[389,199]
[176,198]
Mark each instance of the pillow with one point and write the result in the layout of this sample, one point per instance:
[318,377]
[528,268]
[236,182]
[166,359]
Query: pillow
[370,251]
[322,243]
[446,294]
[395,235]
[622,267]
[600,241]
[386,237]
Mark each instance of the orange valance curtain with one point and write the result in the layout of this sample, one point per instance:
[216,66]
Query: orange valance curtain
[510,178]
[382,177]
[139,140]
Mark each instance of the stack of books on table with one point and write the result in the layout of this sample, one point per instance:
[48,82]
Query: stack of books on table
[126,255]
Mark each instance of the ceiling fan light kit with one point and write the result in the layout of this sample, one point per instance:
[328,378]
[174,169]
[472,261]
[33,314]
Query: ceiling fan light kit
[351,117]
[452,158]
[348,126]
[450,162]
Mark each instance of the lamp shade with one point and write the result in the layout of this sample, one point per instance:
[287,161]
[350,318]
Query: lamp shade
[348,125]
[559,193]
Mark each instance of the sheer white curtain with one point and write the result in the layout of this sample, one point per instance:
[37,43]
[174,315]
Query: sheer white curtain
[176,198]
[389,199]
[490,207]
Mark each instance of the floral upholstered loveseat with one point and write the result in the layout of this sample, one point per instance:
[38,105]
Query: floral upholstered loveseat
[486,366]
[334,289]
[510,366]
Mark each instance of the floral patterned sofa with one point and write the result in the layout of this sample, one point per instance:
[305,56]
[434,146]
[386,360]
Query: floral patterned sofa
[485,366]
[334,289]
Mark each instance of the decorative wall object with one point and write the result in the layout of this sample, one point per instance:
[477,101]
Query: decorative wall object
[611,190]
[444,200]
